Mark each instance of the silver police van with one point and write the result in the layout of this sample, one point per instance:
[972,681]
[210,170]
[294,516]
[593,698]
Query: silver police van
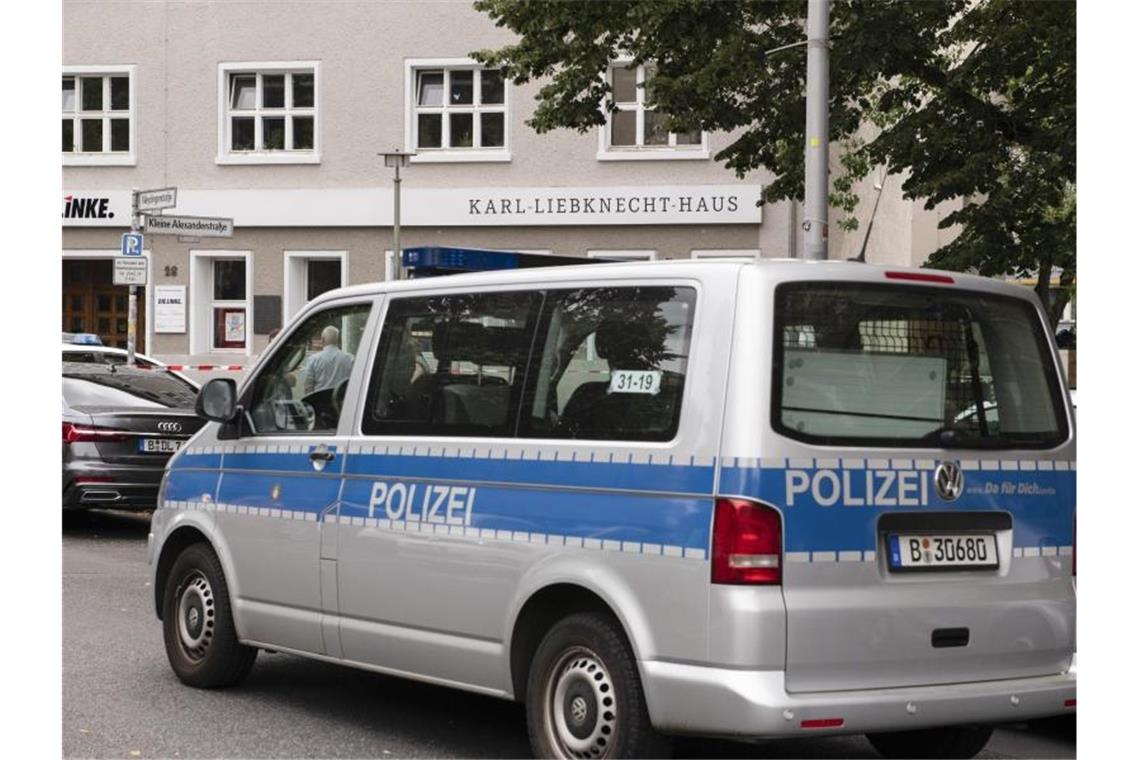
[730,498]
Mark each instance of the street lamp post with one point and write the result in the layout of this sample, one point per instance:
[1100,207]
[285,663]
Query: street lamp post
[397,160]
[816,132]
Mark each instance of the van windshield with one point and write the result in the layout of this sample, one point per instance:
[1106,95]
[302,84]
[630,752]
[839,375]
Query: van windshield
[882,365]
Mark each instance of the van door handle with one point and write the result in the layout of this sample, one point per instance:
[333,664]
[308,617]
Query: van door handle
[322,455]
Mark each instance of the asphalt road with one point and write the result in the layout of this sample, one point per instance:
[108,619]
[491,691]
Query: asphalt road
[121,700]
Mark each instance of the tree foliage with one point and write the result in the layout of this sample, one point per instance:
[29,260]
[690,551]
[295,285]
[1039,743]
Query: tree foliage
[969,100]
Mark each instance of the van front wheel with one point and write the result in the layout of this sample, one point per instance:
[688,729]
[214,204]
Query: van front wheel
[584,697]
[948,742]
[198,625]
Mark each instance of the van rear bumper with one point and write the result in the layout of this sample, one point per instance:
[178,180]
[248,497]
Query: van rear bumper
[749,703]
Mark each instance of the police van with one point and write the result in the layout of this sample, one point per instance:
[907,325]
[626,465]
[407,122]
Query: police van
[730,498]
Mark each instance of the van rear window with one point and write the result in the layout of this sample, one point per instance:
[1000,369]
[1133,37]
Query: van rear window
[883,365]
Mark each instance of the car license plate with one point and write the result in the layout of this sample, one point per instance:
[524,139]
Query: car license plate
[159,445]
[912,551]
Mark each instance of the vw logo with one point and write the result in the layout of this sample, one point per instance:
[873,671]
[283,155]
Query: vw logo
[578,710]
[170,427]
[948,480]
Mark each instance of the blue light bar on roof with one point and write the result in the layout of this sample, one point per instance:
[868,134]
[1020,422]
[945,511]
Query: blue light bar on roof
[432,261]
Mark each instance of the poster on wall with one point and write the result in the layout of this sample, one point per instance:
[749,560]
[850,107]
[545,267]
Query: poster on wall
[235,327]
[170,308]
[229,327]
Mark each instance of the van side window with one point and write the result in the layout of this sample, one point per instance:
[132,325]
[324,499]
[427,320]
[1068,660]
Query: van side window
[451,365]
[302,387]
[610,364]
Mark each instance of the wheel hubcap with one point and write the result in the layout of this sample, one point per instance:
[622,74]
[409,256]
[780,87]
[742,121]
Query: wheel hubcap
[581,705]
[196,616]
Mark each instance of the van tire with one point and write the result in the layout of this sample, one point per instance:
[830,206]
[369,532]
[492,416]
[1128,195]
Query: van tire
[197,623]
[946,741]
[586,664]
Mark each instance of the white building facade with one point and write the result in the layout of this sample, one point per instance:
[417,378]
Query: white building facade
[273,114]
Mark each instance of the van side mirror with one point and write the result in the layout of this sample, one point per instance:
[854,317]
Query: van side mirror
[217,400]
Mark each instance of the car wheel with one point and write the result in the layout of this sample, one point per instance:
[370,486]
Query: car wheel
[947,742]
[197,623]
[584,696]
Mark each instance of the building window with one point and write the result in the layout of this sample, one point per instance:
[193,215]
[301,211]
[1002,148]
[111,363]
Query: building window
[457,111]
[269,113]
[625,254]
[636,129]
[228,306]
[220,288]
[308,274]
[98,116]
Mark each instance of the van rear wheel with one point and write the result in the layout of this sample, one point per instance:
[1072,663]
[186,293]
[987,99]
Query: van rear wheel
[198,625]
[947,742]
[584,696]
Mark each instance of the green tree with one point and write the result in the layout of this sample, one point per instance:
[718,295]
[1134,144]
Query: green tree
[970,100]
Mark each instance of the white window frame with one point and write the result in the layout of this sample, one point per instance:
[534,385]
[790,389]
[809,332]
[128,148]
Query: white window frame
[297,277]
[639,152]
[391,265]
[202,303]
[259,68]
[726,253]
[103,158]
[625,254]
[452,155]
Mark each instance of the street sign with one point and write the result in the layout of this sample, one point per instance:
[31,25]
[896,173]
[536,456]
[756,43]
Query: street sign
[198,226]
[130,270]
[156,200]
[131,244]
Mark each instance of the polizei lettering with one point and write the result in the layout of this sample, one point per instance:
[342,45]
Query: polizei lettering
[857,488]
[422,502]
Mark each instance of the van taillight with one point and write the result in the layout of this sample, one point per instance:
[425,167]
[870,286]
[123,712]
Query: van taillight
[746,545]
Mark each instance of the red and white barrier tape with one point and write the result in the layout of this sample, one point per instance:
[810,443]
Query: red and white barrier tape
[198,367]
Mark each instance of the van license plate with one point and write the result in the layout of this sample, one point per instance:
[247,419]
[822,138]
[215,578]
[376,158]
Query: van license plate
[936,552]
[159,445]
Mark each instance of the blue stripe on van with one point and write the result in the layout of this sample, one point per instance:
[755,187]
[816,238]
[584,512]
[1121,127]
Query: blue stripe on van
[192,458]
[521,495]
[1041,502]
[190,485]
[685,478]
[277,461]
[293,492]
[680,521]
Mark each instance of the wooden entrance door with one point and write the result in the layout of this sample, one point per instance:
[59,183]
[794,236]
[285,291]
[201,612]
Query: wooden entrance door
[92,303]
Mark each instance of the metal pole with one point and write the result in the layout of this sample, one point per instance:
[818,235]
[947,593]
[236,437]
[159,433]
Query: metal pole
[816,133]
[133,301]
[871,222]
[396,222]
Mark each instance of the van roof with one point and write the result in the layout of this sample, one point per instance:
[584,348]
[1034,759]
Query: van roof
[783,267]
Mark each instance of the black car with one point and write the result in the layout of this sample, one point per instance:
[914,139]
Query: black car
[120,426]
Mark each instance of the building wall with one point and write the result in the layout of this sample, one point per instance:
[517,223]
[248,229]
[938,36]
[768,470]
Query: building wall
[361,47]
[344,202]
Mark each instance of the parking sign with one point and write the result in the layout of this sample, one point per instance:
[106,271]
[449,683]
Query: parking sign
[132,244]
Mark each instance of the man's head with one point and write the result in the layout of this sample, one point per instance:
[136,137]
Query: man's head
[330,336]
